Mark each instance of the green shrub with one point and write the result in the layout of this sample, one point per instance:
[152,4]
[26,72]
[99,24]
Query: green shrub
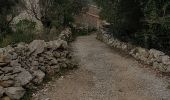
[142,22]
[25,27]
[25,32]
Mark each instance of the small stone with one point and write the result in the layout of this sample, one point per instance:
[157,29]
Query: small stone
[35,63]
[143,52]
[41,59]
[6,83]
[14,56]
[165,60]
[14,63]
[56,54]
[7,69]
[15,92]
[39,76]
[5,77]
[1,91]
[54,62]
[156,65]
[168,69]
[1,72]
[6,98]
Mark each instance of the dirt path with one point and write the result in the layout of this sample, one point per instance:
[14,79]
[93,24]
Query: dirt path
[105,75]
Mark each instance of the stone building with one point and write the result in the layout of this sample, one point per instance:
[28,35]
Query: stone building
[90,18]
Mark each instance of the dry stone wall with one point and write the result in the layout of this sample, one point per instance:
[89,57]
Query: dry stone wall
[23,65]
[155,58]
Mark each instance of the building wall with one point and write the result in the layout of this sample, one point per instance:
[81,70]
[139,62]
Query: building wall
[90,18]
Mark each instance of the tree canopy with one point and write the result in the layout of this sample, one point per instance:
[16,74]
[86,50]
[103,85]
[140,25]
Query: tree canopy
[143,22]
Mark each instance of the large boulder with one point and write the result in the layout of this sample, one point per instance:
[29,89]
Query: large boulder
[57,44]
[37,47]
[23,78]
[15,93]
[156,54]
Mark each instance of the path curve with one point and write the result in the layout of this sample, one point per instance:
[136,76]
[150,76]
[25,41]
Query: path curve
[104,74]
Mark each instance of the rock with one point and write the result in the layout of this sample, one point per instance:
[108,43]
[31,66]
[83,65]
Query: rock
[17,69]
[1,72]
[9,49]
[133,51]
[162,68]
[63,65]
[41,59]
[14,63]
[54,44]
[143,52]
[168,69]
[156,53]
[58,44]
[124,47]
[56,68]
[24,77]
[50,70]
[6,83]
[4,59]
[165,60]
[37,46]
[6,77]
[14,56]
[7,69]
[53,62]
[21,45]
[39,76]
[110,42]
[15,93]
[155,65]
[56,54]
[6,98]
[159,66]
[34,65]
[1,91]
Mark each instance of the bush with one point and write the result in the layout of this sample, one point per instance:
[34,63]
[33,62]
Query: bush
[24,32]
[143,22]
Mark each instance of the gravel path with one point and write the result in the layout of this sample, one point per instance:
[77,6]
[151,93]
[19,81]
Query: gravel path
[104,74]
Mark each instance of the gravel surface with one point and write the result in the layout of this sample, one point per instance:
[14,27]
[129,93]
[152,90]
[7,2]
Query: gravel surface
[104,74]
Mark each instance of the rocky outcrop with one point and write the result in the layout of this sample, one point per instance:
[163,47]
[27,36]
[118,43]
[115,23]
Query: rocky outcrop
[155,58]
[25,65]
